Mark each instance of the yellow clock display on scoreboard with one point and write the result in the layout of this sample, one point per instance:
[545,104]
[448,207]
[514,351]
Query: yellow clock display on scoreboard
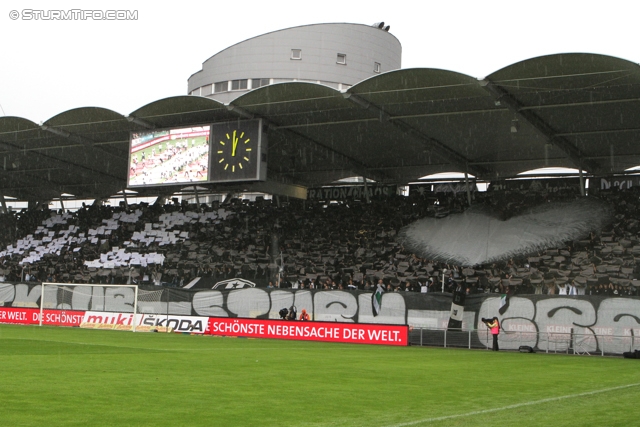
[238,151]
[234,151]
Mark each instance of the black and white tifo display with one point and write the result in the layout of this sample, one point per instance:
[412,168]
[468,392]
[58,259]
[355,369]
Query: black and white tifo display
[220,152]
[478,236]
[607,324]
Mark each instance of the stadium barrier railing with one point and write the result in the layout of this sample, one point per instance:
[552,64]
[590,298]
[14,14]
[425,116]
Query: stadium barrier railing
[542,342]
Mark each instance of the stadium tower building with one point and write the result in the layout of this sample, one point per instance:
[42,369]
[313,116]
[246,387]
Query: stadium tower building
[338,55]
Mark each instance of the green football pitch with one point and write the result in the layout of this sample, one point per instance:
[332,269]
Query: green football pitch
[77,377]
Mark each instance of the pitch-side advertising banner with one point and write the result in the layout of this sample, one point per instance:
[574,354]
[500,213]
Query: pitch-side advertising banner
[31,316]
[103,320]
[256,328]
[144,322]
[310,331]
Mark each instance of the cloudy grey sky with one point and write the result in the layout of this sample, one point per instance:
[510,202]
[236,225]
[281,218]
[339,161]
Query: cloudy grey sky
[48,67]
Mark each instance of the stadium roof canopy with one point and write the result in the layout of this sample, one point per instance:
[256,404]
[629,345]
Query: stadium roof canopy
[565,110]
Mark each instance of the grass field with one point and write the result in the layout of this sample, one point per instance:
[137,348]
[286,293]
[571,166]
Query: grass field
[77,377]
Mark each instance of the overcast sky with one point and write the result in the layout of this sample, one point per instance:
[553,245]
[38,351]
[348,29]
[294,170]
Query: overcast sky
[51,66]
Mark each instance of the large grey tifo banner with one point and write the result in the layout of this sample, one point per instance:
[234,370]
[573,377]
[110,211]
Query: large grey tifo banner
[534,320]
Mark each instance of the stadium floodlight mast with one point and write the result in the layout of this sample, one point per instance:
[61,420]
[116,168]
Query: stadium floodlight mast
[90,286]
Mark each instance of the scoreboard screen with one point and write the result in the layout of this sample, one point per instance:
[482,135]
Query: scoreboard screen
[234,151]
[169,156]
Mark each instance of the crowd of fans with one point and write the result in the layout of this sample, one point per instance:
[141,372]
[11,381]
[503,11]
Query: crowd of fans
[321,245]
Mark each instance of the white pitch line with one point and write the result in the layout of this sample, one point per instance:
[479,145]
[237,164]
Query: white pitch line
[517,405]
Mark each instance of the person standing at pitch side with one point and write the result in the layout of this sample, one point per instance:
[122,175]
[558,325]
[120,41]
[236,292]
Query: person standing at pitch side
[494,327]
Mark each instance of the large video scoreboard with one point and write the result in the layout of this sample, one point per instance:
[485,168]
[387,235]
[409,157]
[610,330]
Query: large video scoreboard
[222,152]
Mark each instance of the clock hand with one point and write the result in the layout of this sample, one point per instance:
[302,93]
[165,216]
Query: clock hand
[235,144]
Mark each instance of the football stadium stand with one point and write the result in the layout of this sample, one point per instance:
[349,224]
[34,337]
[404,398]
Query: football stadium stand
[348,245]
